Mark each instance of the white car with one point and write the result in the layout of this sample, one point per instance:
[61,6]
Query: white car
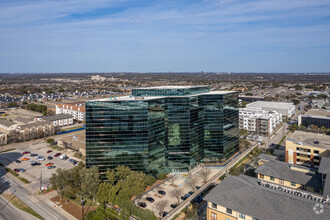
[40,158]
[31,162]
[63,157]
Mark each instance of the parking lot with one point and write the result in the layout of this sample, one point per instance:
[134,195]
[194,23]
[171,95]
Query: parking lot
[179,183]
[34,173]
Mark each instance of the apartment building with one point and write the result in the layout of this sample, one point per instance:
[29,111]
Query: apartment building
[259,122]
[7,126]
[59,120]
[3,139]
[284,108]
[76,110]
[293,176]
[249,198]
[306,148]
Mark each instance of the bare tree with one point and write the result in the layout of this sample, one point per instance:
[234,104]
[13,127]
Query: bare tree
[204,174]
[172,179]
[191,182]
[160,206]
[177,192]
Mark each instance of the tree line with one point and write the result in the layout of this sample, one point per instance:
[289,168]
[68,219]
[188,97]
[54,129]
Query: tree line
[118,188]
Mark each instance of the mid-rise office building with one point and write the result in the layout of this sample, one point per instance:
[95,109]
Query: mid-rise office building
[259,122]
[169,128]
[320,118]
[284,108]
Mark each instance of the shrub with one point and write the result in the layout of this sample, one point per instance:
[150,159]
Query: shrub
[50,140]
[162,176]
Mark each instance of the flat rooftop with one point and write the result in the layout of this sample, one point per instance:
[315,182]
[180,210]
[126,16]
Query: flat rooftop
[318,112]
[308,138]
[139,98]
[171,87]
[278,105]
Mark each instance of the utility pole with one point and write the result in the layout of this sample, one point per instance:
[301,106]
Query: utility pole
[40,180]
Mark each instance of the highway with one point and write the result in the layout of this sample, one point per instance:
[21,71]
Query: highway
[229,165]
[43,208]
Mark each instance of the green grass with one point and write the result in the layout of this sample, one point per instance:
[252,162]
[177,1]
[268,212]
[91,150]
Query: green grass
[281,141]
[55,147]
[22,206]
[7,150]
[80,156]
[15,174]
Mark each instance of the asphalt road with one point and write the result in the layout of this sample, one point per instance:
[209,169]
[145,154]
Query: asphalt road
[41,207]
[205,186]
[10,212]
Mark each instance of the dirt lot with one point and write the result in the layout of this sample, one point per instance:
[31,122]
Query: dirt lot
[19,112]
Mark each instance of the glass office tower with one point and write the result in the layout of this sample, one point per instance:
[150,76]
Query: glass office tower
[171,128]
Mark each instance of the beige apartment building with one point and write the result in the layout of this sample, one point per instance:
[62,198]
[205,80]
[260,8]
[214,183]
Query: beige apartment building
[248,198]
[306,148]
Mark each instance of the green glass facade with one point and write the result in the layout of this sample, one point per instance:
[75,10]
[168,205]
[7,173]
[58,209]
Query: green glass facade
[162,132]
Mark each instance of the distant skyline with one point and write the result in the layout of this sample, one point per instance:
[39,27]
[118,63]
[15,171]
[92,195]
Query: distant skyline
[165,36]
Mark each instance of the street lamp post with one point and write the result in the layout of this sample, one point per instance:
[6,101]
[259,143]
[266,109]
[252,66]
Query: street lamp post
[82,203]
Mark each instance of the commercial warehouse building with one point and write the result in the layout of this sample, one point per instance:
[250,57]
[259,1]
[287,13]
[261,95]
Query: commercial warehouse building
[169,128]
[284,108]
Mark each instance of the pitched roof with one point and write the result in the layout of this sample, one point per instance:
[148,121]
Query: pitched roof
[7,123]
[245,195]
[267,157]
[57,117]
[290,173]
[34,124]
[324,165]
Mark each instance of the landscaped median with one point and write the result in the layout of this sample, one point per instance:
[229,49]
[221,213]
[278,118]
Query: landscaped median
[21,205]
[15,174]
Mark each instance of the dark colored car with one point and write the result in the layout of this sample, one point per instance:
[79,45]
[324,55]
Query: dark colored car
[198,187]
[142,204]
[17,170]
[162,192]
[51,167]
[50,157]
[26,152]
[164,214]
[173,206]
[35,164]
[190,193]
[75,162]
[57,154]
[17,161]
[33,155]
[184,197]
[21,169]
[49,151]
[316,142]
[150,199]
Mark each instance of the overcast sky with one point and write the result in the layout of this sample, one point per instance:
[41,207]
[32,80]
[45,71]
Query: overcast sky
[165,35]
